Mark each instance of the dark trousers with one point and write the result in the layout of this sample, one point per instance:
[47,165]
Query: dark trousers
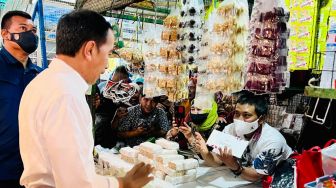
[10,184]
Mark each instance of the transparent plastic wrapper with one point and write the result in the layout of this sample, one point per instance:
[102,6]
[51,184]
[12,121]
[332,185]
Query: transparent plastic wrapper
[191,27]
[329,160]
[267,56]
[224,49]
[165,73]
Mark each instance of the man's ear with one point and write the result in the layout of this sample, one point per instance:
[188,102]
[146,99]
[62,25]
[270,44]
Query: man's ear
[5,34]
[262,119]
[88,49]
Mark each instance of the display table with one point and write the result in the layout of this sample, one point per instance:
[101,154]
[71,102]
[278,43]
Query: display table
[206,176]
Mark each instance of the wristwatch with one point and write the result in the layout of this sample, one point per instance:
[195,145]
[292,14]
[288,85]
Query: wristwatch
[238,171]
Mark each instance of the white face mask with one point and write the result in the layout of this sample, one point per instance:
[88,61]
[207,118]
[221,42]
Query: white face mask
[242,128]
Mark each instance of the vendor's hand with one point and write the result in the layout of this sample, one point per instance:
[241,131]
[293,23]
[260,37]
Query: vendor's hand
[228,159]
[186,130]
[174,131]
[137,177]
[200,144]
[221,120]
[121,112]
[140,131]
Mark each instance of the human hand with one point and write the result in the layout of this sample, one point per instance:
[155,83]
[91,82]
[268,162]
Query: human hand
[200,144]
[137,177]
[221,120]
[174,130]
[140,131]
[225,155]
[186,130]
[121,112]
[96,101]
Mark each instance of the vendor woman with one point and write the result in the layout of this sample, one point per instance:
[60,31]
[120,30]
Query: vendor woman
[203,118]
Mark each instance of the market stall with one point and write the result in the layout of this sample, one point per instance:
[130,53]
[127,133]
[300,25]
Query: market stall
[175,51]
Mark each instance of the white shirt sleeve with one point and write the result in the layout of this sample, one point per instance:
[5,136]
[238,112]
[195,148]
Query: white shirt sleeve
[69,142]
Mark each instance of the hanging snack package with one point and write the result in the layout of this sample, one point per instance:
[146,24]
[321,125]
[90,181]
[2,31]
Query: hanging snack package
[165,73]
[150,50]
[226,45]
[267,62]
[191,30]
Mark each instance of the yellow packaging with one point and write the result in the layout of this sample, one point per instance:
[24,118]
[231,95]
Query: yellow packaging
[303,46]
[306,15]
[304,31]
[291,58]
[302,61]
[308,4]
[323,33]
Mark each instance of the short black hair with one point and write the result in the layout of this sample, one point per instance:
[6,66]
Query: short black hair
[155,99]
[258,101]
[121,70]
[78,27]
[7,18]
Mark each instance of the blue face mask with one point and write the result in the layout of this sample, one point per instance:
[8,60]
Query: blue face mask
[27,40]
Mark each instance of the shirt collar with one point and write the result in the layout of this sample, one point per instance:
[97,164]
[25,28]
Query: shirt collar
[59,64]
[12,60]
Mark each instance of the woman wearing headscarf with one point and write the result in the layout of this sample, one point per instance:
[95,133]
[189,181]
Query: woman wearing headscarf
[202,118]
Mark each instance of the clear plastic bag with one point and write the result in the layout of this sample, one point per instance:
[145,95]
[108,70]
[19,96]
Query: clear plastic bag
[329,160]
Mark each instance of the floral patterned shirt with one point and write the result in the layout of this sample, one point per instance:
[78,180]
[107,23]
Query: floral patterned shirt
[135,118]
[265,150]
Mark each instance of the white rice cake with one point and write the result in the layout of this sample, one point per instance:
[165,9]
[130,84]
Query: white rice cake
[169,152]
[166,144]
[180,179]
[145,159]
[136,148]
[159,174]
[174,173]
[128,159]
[145,153]
[164,159]
[151,148]
[183,164]
[129,152]
[117,171]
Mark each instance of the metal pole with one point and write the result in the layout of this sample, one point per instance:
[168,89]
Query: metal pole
[39,9]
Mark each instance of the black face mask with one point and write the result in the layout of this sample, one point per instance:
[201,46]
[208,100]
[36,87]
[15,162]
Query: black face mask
[198,119]
[27,40]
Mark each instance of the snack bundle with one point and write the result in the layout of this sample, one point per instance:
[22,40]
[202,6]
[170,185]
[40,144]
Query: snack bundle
[303,24]
[134,57]
[267,57]
[223,54]
[192,13]
[165,74]
[169,166]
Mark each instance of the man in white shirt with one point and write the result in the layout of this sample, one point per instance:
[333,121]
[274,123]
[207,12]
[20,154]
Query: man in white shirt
[55,123]
[266,148]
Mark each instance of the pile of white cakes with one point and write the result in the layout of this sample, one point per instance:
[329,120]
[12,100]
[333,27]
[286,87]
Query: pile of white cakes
[162,155]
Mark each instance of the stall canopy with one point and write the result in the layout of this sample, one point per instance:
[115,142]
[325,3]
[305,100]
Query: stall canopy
[105,5]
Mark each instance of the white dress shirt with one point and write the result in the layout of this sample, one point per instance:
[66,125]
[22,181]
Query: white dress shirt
[56,141]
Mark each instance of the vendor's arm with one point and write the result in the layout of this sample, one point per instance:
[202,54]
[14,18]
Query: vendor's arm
[247,173]
[210,158]
[120,113]
[128,128]
[264,164]
[133,133]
